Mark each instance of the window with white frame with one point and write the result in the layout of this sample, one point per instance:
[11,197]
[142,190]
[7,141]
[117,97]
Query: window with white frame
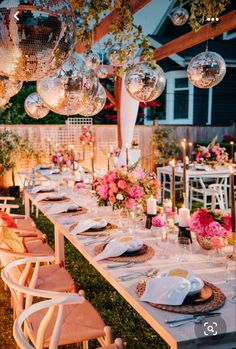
[179,98]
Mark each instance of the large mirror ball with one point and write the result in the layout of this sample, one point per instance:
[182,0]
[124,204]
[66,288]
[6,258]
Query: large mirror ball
[39,42]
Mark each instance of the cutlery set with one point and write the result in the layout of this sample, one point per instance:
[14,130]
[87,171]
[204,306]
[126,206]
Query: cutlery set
[196,318]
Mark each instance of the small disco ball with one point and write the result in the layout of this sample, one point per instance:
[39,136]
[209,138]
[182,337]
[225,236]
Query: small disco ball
[3,101]
[96,104]
[206,69]
[118,55]
[145,81]
[9,87]
[34,106]
[71,88]
[92,60]
[102,73]
[39,42]
[179,16]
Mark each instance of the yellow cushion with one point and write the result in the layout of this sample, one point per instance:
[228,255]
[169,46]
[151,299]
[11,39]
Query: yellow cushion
[12,240]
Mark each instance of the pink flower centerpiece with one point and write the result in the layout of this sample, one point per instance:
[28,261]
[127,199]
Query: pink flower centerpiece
[212,228]
[86,136]
[158,222]
[122,188]
[212,153]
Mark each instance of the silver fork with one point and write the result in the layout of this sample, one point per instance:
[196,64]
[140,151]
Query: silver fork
[150,273]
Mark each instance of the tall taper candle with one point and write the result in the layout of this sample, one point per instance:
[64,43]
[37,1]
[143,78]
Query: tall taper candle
[232,150]
[92,163]
[190,151]
[127,154]
[184,167]
[232,199]
[108,161]
[173,185]
[83,144]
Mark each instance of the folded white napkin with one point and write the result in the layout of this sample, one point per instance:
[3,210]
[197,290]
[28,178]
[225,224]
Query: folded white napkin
[61,207]
[116,247]
[166,290]
[42,188]
[42,196]
[88,224]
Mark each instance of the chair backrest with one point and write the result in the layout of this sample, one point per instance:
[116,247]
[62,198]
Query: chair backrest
[50,306]
[5,199]
[218,196]
[7,207]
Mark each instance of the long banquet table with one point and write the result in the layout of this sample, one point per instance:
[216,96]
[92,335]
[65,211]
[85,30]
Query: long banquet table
[219,172]
[183,337]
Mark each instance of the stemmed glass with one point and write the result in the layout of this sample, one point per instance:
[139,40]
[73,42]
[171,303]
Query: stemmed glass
[184,248]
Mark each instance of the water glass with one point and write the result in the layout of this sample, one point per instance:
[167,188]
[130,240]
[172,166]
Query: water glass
[184,249]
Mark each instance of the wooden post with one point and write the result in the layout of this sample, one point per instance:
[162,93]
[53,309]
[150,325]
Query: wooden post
[117,88]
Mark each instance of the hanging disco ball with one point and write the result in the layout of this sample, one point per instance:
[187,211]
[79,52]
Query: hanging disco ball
[118,55]
[71,88]
[3,101]
[34,106]
[9,87]
[145,81]
[179,16]
[39,42]
[96,104]
[206,70]
[92,60]
[102,73]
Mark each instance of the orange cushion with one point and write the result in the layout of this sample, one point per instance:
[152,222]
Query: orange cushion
[7,220]
[12,240]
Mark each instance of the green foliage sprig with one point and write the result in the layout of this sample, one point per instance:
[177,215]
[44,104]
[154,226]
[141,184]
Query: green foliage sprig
[165,148]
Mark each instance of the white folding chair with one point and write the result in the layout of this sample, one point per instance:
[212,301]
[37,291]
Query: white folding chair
[166,185]
[72,323]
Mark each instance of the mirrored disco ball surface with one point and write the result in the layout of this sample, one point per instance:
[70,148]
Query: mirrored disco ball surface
[102,73]
[71,88]
[179,16]
[34,106]
[206,69]
[9,87]
[92,60]
[145,81]
[96,104]
[3,101]
[39,42]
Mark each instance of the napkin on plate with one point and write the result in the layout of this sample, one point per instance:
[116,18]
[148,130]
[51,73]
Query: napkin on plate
[166,290]
[116,247]
[84,225]
[41,188]
[62,207]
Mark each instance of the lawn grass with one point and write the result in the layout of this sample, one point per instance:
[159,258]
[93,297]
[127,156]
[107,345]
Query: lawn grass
[125,321]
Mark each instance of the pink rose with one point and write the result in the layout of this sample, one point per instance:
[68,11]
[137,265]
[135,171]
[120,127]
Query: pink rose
[122,184]
[113,188]
[158,221]
[217,242]
[130,203]
[79,185]
[227,222]
[214,229]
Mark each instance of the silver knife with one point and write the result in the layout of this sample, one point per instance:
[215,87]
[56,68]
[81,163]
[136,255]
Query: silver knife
[189,317]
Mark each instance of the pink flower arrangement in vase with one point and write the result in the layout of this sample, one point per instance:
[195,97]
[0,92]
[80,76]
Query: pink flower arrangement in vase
[212,153]
[212,228]
[86,136]
[122,188]
[158,225]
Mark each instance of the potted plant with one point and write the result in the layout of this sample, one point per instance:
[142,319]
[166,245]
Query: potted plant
[13,147]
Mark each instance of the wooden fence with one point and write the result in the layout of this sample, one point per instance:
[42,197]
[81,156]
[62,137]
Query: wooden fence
[105,136]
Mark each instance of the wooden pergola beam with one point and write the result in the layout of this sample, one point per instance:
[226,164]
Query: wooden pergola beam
[111,97]
[183,42]
[103,28]
[117,90]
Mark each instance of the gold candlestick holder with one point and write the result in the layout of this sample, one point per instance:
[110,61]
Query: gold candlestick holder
[233,255]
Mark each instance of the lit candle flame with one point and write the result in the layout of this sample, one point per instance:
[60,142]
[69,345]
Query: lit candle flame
[172,162]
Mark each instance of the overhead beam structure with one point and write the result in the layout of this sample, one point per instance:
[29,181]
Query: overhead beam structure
[103,28]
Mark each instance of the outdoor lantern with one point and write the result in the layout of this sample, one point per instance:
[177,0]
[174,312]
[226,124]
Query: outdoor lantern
[179,16]
[34,106]
[96,104]
[145,81]
[71,88]
[206,70]
[36,37]
[9,87]
[92,60]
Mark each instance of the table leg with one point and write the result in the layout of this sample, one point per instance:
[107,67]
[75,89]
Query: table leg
[59,245]
[27,204]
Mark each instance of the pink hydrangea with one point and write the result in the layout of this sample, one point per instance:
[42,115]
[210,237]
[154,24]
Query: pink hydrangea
[215,229]
[103,191]
[158,221]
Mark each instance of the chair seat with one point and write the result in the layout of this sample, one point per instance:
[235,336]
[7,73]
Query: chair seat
[38,246]
[54,277]
[23,222]
[81,322]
